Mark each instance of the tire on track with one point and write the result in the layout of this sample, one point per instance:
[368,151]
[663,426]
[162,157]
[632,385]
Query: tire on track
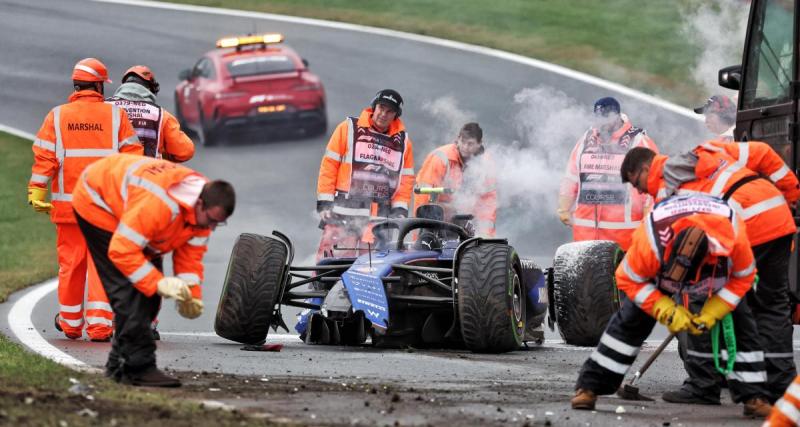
[585,294]
[251,289]
[491,301]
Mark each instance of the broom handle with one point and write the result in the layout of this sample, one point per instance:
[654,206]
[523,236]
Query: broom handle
[652,358]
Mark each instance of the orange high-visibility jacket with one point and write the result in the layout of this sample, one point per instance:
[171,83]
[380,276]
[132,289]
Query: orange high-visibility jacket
[444,168]
[786,411]
[759,157]
[336,171]
[174,144]
[73,136]
[605,208]
[638,272]
[130,197]
[758,202]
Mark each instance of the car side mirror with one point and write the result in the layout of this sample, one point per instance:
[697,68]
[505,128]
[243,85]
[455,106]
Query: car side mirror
[730,77]
[185,74]
[305,62]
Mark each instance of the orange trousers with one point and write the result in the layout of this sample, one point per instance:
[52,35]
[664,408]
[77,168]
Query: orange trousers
[75,270]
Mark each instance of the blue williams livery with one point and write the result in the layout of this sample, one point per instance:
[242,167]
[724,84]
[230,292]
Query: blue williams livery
[424,283]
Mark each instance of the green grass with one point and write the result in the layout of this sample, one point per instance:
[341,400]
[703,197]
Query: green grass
[633,42]
[27,238]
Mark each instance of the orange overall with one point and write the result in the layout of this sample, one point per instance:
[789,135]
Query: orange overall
[73,136]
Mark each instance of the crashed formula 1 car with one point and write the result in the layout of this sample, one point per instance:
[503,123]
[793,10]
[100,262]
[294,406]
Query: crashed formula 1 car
[424,283]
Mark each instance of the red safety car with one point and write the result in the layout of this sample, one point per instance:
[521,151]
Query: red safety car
[250,83]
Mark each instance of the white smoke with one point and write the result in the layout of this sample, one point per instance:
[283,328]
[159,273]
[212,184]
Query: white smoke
[718,28]
[450,117]
[528,168]
[526,171]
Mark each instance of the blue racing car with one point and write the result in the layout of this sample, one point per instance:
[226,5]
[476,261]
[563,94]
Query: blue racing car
[424,283]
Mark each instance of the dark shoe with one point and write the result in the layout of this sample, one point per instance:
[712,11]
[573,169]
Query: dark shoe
[58,326]
[584,399]
[757,407]
[152,377]
[106,338]
[156,335]
[685,396]
[70,335]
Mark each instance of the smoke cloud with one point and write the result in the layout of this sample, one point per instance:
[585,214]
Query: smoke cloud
[529,166]
[718,28]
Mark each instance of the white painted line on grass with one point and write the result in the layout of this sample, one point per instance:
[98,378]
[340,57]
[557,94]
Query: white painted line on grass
[508,56]
[19,320]
[17,132]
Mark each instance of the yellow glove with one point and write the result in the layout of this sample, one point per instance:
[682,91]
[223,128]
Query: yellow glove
[173,287]
[190,309]
[564,204]
[713,310]
[675,317]
[36,196]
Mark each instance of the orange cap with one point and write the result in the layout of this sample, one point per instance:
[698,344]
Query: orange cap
[90,70]
[142,71]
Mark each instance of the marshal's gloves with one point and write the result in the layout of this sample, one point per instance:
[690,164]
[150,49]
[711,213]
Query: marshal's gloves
[173,287]
[190,309]
[675,317]
[36,196]
[713,310]
[564,204]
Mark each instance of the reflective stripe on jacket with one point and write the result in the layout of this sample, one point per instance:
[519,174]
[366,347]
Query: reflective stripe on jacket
[760,158]
[336,169]
[158,130]
[608,220]
[712,171]
[130,197]
[444,168]
[73,136]
[638,273]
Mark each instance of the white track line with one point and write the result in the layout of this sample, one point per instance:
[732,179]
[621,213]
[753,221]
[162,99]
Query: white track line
[19,320]
[17,132]
[508,56]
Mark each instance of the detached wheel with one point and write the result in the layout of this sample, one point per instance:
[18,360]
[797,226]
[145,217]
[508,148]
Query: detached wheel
[251,289]
[491,299]
[585,292]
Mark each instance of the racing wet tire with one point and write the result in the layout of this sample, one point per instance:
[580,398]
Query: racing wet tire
[585,292]
[491,299]
[251,289]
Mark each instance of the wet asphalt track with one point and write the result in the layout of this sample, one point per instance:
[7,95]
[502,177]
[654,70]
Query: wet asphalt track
[275,182]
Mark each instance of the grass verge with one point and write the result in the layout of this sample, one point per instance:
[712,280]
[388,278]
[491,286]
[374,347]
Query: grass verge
[27,238]
[35,391]
[638,44]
